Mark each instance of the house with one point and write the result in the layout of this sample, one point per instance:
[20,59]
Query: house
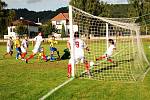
[62,19]
[32,28]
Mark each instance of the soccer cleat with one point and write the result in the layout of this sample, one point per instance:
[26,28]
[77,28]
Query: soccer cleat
[26,60]
[97,59]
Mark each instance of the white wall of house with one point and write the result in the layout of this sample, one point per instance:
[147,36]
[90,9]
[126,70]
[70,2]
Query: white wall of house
[11,30]
[12,33]
[58,25]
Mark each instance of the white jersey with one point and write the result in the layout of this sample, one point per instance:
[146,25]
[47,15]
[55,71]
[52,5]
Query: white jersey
[79,50]
[24,45]
[110,50]
[38,40]
[9,44]
[79,47]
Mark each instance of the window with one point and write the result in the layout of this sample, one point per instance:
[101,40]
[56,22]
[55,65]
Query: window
[11,30]
[58,22]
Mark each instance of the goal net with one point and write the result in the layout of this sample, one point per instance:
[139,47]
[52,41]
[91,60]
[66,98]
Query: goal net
[116,51]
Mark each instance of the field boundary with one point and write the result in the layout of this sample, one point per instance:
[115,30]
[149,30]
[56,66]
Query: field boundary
[55,89]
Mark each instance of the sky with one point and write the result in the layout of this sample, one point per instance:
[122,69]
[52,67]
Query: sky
[41,5]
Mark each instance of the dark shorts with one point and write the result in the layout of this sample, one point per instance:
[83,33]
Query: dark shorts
[53,49]
[18,49]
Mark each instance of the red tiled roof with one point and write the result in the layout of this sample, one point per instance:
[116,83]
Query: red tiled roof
[24,22]
[61,16]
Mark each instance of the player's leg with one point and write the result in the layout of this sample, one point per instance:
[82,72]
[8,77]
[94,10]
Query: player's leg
[109,59]
[69,68]
[23,55]
[87,67]
[8,52]
[44,57]
[30,57]
[101,57]
[18,53]
[57,53]
[24,52]
[52,54]
[35,50]
[11,52]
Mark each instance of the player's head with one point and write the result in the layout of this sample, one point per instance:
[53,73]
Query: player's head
[10,38]
[17,37]
[111,41]
[25,37]
[40,33]
[76,34]
[53,37]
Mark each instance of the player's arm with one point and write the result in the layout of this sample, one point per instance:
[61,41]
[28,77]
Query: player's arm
[86,48]
[68,45]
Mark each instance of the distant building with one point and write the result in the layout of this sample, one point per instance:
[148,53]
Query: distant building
[62,19]
[31,26]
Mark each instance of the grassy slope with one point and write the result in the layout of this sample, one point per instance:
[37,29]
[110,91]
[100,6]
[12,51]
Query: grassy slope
[30,81]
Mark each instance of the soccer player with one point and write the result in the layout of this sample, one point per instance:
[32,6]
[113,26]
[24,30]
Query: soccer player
[17,46]
[37,47]
[53,48]
[9,47]
[79,53]
[24,47]
[108,52]
[42,54]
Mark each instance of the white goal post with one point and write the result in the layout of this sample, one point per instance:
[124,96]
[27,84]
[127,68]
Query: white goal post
[126,63]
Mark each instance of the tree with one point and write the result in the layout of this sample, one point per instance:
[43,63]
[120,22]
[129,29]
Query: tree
[21,29]
[63,32]
[94,7]
[47,28]
[142,7]
[6,17]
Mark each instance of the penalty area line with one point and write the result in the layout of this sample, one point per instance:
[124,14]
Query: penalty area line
[55,89]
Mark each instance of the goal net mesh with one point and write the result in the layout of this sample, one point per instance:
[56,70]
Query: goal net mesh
[128,60]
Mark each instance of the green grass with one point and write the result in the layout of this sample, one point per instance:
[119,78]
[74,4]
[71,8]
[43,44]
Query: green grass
[21,81]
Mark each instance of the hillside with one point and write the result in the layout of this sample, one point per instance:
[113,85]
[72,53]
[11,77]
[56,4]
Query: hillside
[116,11]
[42,15]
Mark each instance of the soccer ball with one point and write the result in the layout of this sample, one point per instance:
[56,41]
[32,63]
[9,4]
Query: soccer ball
[91,63]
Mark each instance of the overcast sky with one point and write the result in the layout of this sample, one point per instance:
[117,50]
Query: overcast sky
[41,5]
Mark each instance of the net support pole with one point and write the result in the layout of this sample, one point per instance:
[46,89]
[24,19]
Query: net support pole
[71,40]
[107,36]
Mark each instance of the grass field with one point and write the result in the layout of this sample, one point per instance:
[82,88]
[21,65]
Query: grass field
[21,81]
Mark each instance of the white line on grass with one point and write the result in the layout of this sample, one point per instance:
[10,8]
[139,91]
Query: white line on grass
[55,89]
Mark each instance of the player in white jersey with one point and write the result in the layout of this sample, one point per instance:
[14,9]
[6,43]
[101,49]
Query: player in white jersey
[79,53]
[9,47]
[108,52]
[37,47]
[24,47]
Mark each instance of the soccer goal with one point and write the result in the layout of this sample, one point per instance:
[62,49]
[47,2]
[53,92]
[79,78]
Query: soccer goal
[127,61]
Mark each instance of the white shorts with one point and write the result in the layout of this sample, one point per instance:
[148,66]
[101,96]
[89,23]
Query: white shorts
[23,50]
[9,49]
[78,58]
[109,54]
[36,50]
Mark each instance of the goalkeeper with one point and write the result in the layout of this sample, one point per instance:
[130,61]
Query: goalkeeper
[109,52]
[53,48]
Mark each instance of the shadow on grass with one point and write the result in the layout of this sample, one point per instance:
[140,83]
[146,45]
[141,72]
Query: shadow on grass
[110,67]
